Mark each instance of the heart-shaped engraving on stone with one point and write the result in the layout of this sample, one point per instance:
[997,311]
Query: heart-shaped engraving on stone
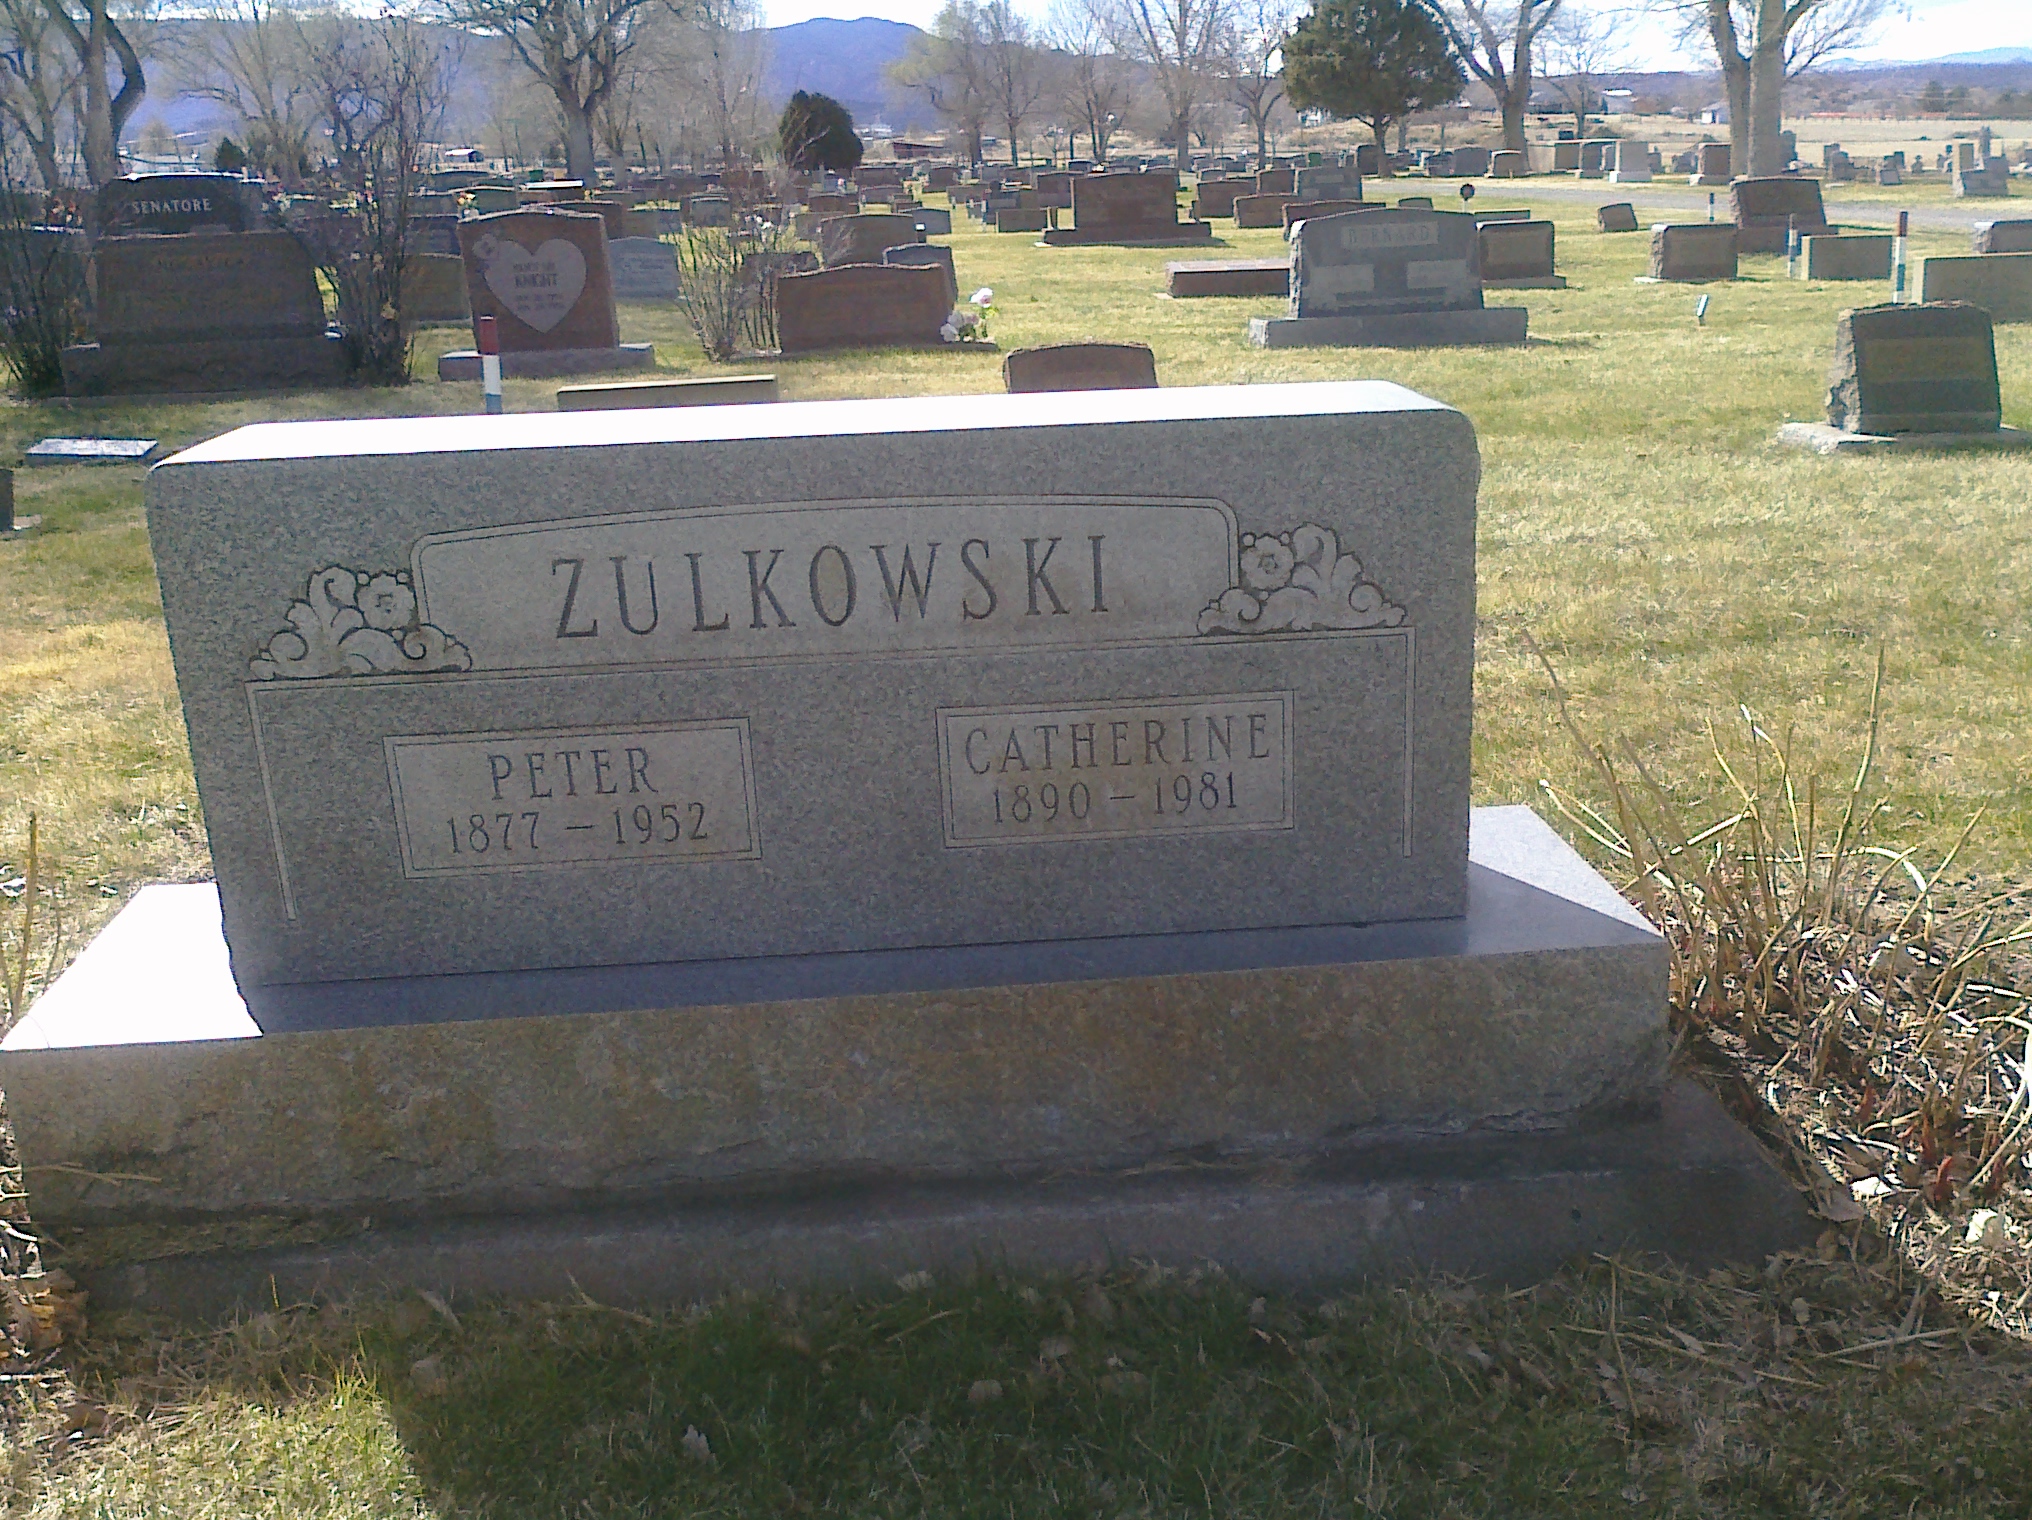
[540,288]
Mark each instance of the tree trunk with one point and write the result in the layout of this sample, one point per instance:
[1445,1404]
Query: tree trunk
[102,148]
[578,143]
[1517,99]
[1767,89]
[1262,135]
[1381,132]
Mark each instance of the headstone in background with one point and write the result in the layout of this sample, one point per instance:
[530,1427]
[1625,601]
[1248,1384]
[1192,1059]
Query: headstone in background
[1508,163]
[1765,210]
[941,177]
[91,451]
[1686,162]
[543,276]
[204,313]
[861,306]
[931,255]
[1891,171]
[1414,203]
[1788,146]
[1633,163]
[644,269]
[1693,251]
[1228,277]
[708,210]
[1128,208]
[1985,181]
[1217,197]
[2014,236]
[434,234]
[485,200]
[1368,159]
[1471,163]
[932,221]
[1054,191]
[1713,164]
[1596,157]
[707,390]
[1297,211]
[1848,256]
[1519,255]
[177,203]
[1388,278]
[2000,283]
[1437,165]
[1079,367]
[612,212]
[859,238]
[1275,181]
[1022,219]
[434,290]
[1262,210]
[1621,216]
[1565,156]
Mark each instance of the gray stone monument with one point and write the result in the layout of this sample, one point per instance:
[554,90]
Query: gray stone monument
[610,809]
[1388,278]
[644,269]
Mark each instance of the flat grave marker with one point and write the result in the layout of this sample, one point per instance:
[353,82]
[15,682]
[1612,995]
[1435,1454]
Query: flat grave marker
[91,451]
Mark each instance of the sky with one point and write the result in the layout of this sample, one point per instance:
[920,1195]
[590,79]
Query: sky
[1925,29]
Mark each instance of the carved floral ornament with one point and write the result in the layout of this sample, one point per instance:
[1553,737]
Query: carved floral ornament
[1296,581]
[352,623]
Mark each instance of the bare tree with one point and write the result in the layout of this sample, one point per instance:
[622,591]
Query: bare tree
[1015,68]
[1759,44]
[38,84]
[382,85]
[1095,84]
[1494,38]
[1181,43]
[99,43]
[949,66]
[1256,63]
[578,48]
[248,55]
[1581,46]
[729,53]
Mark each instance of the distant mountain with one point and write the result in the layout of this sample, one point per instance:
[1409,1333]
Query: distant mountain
[1988,55]
[848,60]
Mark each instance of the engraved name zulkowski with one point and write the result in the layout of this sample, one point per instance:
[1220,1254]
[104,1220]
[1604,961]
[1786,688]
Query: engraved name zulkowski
[822,579]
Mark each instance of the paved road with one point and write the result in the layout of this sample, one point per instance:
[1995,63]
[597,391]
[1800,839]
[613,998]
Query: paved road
[1666,196]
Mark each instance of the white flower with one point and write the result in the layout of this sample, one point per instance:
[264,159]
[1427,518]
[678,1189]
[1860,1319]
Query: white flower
[982,296]
[950,333]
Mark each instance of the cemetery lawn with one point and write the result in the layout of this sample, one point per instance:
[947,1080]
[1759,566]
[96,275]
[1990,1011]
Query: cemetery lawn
[1639,525]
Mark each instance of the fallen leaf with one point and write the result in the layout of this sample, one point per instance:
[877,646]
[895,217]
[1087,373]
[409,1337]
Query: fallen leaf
[985,1391]
[1698,1348]
[914,1282]
[695,1445]
[443,1309]
[1838,1207]
[1054,1348]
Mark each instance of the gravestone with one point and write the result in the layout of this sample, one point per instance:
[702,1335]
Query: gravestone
[1508,163]
[931,255]
[708,390]
[433,234]
[1597,157]
[860,238]
[1519,256]
[1619,217]
[932,221]
[1275,181]
[837,933]
[1127,208]
[1022,219]
[2000,283]
[1217,197]
[1566,156]
[1262,210]
[1054,191]
[1079,367]
[861,306]
[485,200]
[434,290]
[613,213]
[1388,278]
[1990,180]
[708,211]
[1471,163]
[1227,277]
[643,269]
[1711,165]
[543,276]
[1414,203]
[1328,182]
[2003,236]
[177,203]
[1850,256]
[1436,165]
[1693,251]
[1633,163]
[1891,169]
[1297,211]
[1765,210]
[1910,377]
[204,312]
[1368,159]
[824,204]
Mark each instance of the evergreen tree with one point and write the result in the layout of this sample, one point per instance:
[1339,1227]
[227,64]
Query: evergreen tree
[228,158]
[817,133]
[1372,61]
[1933,99]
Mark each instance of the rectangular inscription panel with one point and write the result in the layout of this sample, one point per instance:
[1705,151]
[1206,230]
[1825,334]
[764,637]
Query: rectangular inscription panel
[524,801]
[1193,765]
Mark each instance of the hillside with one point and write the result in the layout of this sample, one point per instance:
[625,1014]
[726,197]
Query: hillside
[849,61]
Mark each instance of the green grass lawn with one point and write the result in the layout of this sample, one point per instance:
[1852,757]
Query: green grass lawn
[1636,520]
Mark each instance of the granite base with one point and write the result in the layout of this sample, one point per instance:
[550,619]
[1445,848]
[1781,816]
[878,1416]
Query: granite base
[142,1085]
[1410,329]
[1531,282]
[549,363]
[1228,277]
[1156,237]
[1823,438]
[1681,1179]
[203,368]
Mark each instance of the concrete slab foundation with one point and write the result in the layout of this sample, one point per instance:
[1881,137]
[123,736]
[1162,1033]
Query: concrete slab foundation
[546,364]
[1411,329]
[1821,438]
